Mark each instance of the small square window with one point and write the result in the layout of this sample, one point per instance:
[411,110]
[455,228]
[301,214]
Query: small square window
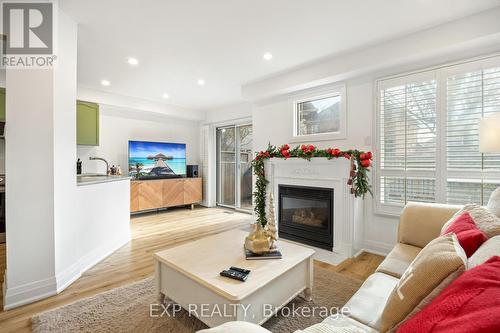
[321,115]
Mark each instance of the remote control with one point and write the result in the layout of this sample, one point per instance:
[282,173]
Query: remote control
[234,275]
[242,270]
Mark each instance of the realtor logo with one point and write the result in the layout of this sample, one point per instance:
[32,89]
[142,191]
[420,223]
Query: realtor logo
[28,35]
[29,28]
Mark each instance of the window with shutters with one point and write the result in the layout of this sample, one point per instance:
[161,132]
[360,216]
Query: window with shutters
[428,136]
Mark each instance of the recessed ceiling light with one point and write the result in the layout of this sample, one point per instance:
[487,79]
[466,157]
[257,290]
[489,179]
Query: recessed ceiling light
[105,83]
[165,95]
[132,61]
[201,82]
[267,56]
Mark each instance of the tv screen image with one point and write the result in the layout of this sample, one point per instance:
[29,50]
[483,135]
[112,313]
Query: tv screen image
[156,159]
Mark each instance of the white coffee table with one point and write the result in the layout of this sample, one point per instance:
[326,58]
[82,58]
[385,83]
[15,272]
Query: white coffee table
[189,275]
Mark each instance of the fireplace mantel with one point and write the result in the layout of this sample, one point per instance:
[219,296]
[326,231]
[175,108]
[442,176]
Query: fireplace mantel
[321,172]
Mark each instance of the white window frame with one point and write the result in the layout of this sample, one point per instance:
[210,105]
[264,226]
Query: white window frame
[441,174]
[331,92]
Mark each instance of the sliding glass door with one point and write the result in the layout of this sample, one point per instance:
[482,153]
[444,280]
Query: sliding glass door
[234,169]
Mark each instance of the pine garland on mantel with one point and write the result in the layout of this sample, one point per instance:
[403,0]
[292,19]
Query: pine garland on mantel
[358,179]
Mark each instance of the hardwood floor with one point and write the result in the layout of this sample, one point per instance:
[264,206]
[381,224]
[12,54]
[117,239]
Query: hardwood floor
[133,262]
[359,268]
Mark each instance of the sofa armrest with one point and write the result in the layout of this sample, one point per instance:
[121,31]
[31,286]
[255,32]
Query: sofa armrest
[422,222]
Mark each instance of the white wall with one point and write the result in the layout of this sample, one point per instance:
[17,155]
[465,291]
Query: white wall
[41,187]
[273,123]
[103,221]
[229,113]
[64,142]
[30,185]
[118,126]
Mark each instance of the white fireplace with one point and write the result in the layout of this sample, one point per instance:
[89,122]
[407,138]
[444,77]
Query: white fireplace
[322,173]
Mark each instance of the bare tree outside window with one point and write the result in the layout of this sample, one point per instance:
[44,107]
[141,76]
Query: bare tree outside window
[318,116]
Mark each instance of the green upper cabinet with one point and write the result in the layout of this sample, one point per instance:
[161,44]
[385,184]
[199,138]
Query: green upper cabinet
[87,123]
[2,104]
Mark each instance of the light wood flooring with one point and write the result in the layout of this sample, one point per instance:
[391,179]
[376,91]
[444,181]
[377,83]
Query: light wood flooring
[133,262]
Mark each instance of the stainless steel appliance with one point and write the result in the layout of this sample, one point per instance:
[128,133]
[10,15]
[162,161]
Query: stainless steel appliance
[2,208]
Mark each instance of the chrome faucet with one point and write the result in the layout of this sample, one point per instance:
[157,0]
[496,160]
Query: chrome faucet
[101,159]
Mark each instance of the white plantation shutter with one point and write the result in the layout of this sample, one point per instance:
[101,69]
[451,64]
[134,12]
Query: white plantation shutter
[407,121]
[471,176]
[428,136]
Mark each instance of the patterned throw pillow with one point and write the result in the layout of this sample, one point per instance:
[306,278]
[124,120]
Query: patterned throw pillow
[469,236]
[485,220]
[441,259]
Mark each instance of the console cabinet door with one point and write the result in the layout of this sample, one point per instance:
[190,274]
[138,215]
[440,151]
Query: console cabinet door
[173,192]
[192,190]
[134,196]
[150,194]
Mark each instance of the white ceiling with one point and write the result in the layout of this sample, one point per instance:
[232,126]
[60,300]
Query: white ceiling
[223,41]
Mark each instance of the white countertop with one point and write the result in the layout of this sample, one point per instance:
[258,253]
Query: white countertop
[91,179]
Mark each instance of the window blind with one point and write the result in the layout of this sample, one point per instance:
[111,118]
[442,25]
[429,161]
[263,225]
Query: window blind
[408,142]
[428,135]
[469,97]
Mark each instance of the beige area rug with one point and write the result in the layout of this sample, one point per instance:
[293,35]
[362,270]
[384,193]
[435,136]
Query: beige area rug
[127,309]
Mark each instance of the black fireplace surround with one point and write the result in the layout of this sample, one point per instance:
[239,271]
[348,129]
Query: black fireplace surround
[305,215]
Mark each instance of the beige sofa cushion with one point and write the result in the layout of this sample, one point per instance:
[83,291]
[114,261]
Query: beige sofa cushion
[338,324]
[494,202]
[367,304]
[343,321]
[489,249]
[325,328]
[420,223]
[485,220]
[441,258]
[398,260]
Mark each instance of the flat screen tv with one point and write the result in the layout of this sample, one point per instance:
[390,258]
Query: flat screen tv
[150,160]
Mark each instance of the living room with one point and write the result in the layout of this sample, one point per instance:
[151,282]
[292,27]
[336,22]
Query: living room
[155,150]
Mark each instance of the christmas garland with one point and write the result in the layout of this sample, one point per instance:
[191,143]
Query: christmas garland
[358,178]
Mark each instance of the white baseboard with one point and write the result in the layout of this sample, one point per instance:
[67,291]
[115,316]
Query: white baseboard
[28,293]
[383,254]
[37,290]
[92,258]
[376,247]
[68,276]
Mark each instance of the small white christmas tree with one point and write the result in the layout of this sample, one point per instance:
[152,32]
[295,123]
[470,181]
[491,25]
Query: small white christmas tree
[271,231]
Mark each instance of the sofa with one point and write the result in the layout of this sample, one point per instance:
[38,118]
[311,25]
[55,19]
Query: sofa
[420,223]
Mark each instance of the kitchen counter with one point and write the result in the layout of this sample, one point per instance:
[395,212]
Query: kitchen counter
[90,179]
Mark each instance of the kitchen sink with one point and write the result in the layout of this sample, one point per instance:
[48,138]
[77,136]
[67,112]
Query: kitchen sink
[84,175]
[91,177]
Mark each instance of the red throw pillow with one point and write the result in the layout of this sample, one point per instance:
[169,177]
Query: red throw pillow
[469,236]
[469,304]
